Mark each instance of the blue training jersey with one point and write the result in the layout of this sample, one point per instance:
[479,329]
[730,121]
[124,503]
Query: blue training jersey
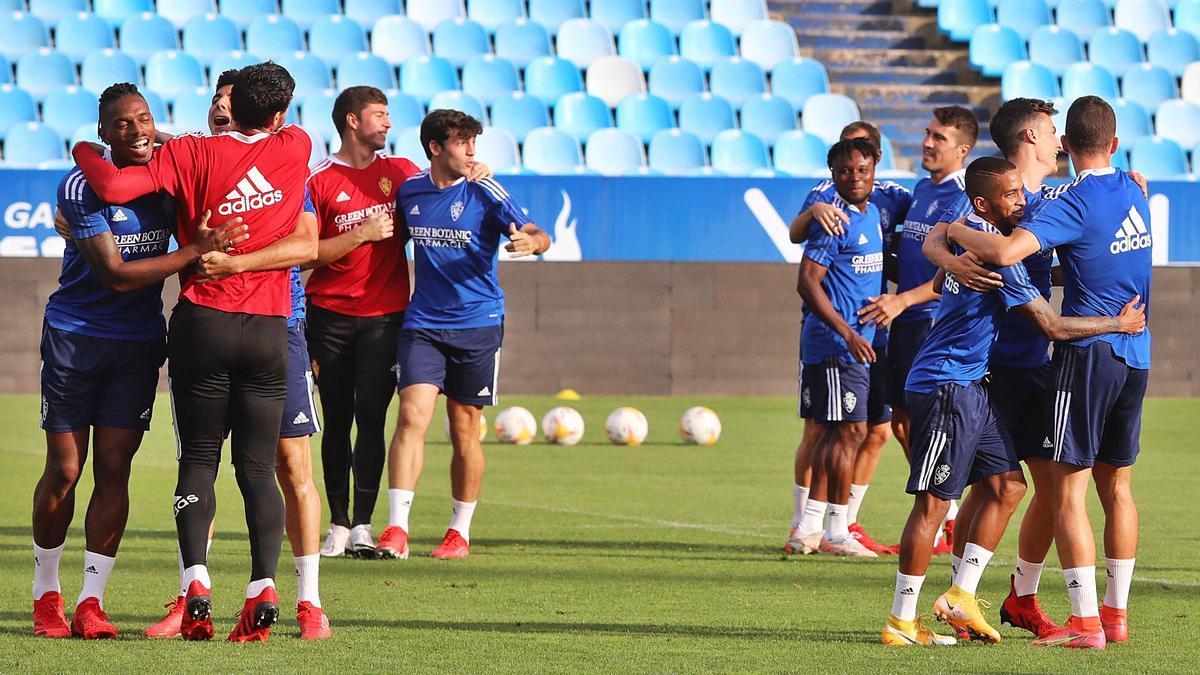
[854,261]
[297,283]
[1019,343]
[931,204]
[1099,225]
[956,350]
[456,239]
[142,229]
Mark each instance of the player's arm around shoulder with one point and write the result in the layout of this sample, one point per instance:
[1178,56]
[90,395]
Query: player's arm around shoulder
[967,268]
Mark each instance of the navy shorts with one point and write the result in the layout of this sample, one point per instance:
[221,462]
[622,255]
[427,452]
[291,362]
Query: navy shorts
[879,410]
[300,407]
[956,441]
[1094,407]
[904,341]
[96,382]
[834,391]
[1019,397]
[464,362]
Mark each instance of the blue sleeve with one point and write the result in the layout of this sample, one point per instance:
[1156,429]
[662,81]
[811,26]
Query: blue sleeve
[901,201]
[308,204]
[958,209]
[81,208]
[502,210]
[1017,289]
[821,247]
[814,195]
[1057,221]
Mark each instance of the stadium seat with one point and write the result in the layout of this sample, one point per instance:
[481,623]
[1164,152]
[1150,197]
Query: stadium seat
[614,14]
[645,41]
[1190,87]
[41,71]
[582,41]
[366,12]
[799,78]
[489,77]
[79,34]
[319,150]
[6,71]
[1023,16]
[1148,85]
[156,103]
[104,67]
[116,11]
[1133,122]
[612,78]
[552,151]
[519,113]
[676,152]
[210,35]
[365,68]
[244,12]
[23,33]
[307,12]
[1143,18]
[144,35]
[408,146]
[1179,121]
[675,78]
[31,144]
[1172,49]
[550,77]
[457,100]
[460,40]
[316,113]
[826,114]
[172,72]
[735,79]
[87,133]
[431,13]
[521,41]
[768,43]
[1187,16]
[1083,17]
[706,116]
[273,36]
[424,76]
[52,11]
[737,13]
[675,14]
[67,108]
[16,107]
[1025,79]
[887,154]
[580,114]
[1115,49]
[1082,79]
[404,110]
[993,47]
[960,18]
[614,152]
[801,154]
[767,116]
[333,37]
[644,115]
[739,153]
[1158,159]
[497,148]
[311,73]
[492,13]
[234,60]
[398,38]
[190,112]
[552,13]
[706,43]
[1056,48]
[180,12]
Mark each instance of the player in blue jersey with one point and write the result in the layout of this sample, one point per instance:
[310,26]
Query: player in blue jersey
[454,324]
[1098,224]
[957,440]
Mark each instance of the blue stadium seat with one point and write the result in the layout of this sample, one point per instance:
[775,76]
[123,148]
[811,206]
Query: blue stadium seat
[612,78]
[5,71]
[333,37]
[887,154]
[676,152]
[497,148]
[364,68]
[457,100]
[1056,48]
[16,107]
[801,154]
[735,79]
[550,77]
[53,11]
[66,109]
[460,40]
[87,133]
[1143,18]
[1187,16]
[675,14]
[366,12]
[316,113]
[1158,158]
[116,11]
[491,13]
[675,78]
[156,103]
[319,150]
[737,13]
[1023,16]
[582,41]
[769,43]
[398,39]
[41,71]
[1148,85]
[180,12]
[645,41]
[614,152]
[104,67]
[521,41]
[706,43]
[614,14]
[405,111]
[706,116]
[274,36]
[552,151]
[1082,79]
[519,113]
[489,77]
[234,60]
[82,33]
[644,115]
[210,35]
[1083,17]
[1133,122]
[307,12]
[190,112]
[767,116]
[826,114]
[739,153]
[1025,79]
[1179,121]
[408,146]
[993,47]
[31,144]
[143,35]
[580,114]
[552,13]
[1115,49]
[960,18]
[22,33]
[799,78]
[12,5]
[172,72]
[311,73]
[1172,49]
[244,12]
[431,13]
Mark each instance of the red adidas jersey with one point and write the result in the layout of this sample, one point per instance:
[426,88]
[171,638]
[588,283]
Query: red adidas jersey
[371,280]
[260,178]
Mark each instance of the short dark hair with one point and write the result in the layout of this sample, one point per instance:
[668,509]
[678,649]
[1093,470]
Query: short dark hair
[983,173]
[1014,116]
[259,92]
[116,92]
[872,132]
[354,100]
[438,124]
[1091,125]
[841,151]
[226,79]
[961,119]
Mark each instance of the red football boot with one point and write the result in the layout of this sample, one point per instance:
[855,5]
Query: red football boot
[314,625]
[257,616]
[452,546]
[1076,634]
[1116,624]
[90,622]
[393,543]
[1024,612]
[946,545]
[196,622]
[865,539]
[48,617]
[169,626]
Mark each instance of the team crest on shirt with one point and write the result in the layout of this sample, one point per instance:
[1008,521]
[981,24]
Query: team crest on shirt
[385,186]
[932,206]
[942,473]
[849,400]
[456,210]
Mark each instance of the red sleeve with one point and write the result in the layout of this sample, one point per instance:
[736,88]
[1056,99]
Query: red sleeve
[120,185]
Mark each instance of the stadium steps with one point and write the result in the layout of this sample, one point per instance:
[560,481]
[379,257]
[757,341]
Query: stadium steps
[879,7]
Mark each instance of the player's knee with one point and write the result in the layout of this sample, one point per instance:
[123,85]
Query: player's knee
[60,477]
[878,435]
[852,433]
[1011,491]
[111,471]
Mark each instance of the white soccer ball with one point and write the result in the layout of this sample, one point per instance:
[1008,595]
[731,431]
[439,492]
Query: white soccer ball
[700,425]
[483,427]
[516,425]
[563,425]
[626,426]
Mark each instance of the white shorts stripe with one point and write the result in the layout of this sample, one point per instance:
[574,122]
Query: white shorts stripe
[312,403]
[496,379]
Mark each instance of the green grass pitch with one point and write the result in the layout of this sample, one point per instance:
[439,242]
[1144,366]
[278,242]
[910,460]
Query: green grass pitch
[664,557]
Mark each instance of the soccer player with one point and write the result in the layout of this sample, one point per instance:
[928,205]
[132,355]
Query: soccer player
[454,324]
[957,440]
[228,337]
[1098,226]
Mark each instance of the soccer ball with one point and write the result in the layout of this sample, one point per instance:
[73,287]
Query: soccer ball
[563,425]
[516,425]
[700,425]
[626,426]
[482,427]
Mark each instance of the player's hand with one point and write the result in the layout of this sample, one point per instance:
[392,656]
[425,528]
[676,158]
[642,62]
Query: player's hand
[970,272]
[830,218]
[1132,316]
[860,349]
[377,227]
[519,243]
[479,170]
[224,237]
[215,266]
[61,226]
[1138,178]
[883,310]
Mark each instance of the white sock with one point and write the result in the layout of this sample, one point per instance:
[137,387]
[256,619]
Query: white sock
[179,557]
[857,492]
[254,588]
[904,601]
[460,518]
[952,513]
[96,570]
[814,516]
[839,526]
[308,570]
[196,573]
[1081,589]
[975,560]
[955,563]
[1027,577]
[45,569]
[1120,575]
[399,504]
[799,496]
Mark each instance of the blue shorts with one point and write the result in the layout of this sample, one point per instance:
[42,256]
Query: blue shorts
[96,382]
[834,391]
[879,410]
[463,363]
[956,441]
[1095,407]
[1019,397]
[904,341]
[300,407]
